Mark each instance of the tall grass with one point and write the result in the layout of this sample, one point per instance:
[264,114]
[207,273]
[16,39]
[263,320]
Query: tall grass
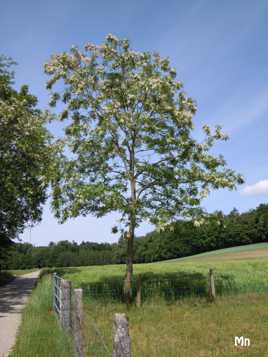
[40,334]
[188,328]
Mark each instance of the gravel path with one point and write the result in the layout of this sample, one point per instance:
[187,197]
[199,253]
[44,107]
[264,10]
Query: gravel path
[13,298]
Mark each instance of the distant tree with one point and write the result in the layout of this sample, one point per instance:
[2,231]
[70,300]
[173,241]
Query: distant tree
[24,156]
[261,222]
[128,144]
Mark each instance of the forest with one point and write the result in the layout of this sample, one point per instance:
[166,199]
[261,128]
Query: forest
[218,231]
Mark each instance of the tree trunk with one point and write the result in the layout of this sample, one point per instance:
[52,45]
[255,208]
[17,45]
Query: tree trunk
[132,225]
[129,266]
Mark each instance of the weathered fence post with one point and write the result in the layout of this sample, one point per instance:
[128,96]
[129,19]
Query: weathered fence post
[211,286]
[121,343]
[65,302]
[138,296]
[77,322]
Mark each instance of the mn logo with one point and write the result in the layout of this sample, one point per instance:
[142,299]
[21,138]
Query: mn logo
[242,341]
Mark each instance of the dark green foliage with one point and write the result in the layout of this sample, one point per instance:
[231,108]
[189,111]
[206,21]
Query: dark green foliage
[24,158]
[59,254]
[219,231]
[5,277]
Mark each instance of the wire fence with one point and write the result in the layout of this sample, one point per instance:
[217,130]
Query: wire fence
[170,287]
[56,293]
[68,306]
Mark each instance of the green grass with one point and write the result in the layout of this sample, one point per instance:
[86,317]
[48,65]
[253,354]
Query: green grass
[244,276]
[188,325]
[188,328]
[40,334]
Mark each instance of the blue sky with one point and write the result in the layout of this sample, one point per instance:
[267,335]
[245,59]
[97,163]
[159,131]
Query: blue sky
[218,47]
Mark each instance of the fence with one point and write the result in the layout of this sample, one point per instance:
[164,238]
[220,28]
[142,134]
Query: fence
[149,286]
[67,304]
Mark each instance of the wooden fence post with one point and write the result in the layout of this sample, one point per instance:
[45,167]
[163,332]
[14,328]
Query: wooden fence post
[211,286]
[65,304]
[77,322]
[138,297]
[54,290]
[122,342]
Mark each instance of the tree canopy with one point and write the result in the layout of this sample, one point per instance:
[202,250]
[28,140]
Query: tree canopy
[24,157]
[129,139]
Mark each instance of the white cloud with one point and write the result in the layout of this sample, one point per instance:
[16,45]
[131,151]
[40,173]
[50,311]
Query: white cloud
[257,189]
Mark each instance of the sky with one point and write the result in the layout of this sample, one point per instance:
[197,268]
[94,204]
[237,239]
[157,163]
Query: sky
[219,49]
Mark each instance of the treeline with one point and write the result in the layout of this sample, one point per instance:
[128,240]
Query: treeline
[219,231]
[63,253]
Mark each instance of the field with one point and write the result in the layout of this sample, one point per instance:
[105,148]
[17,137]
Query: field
[184,324]
[175,320]
[251,251]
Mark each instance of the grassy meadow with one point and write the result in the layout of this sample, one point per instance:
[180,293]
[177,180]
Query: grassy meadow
[184,324]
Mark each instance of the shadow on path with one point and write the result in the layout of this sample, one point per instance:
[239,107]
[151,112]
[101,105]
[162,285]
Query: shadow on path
[12,294]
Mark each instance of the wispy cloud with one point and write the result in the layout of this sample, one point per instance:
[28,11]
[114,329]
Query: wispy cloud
[259,188]
[241,111]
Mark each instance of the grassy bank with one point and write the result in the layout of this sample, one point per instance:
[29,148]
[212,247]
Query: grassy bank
[40,334]
[249,251]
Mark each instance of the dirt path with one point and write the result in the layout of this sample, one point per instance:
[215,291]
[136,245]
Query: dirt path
[13,298]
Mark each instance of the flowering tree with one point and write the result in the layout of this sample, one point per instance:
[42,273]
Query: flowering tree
[129,138]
